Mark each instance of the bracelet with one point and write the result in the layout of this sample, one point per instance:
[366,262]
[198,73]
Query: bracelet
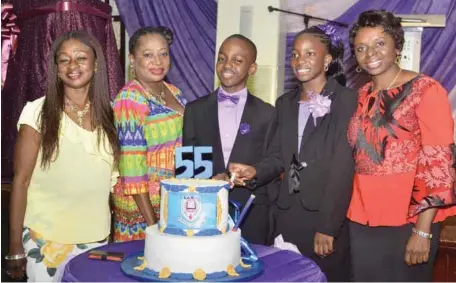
[16,257]
[422,234]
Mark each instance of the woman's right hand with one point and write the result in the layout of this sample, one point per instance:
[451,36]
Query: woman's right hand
[16,268]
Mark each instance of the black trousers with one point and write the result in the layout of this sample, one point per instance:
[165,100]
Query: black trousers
[297,226]
[378,254]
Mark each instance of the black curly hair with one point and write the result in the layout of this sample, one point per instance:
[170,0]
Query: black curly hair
[165,32]
[336,50]
[379,18]
[246,40]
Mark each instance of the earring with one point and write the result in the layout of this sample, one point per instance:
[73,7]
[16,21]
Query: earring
[358,69]
[132,70]
[96,68]
[326,68]
[398,59]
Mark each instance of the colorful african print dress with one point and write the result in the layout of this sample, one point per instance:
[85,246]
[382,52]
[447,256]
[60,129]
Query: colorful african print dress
[148,132]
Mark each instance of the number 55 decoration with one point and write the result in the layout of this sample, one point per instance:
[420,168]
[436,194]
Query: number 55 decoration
[194,162]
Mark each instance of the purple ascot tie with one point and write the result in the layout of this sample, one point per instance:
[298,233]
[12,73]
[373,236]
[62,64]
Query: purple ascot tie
[222,97]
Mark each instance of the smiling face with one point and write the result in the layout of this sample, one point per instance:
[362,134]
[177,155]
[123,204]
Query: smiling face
[375,50]
[235,62]
[75,64]
[309,57]
[151,58]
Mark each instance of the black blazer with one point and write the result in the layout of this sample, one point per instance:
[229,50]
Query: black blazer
[326,183]
[201,128]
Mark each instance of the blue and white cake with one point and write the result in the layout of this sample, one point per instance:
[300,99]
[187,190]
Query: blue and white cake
[194,238]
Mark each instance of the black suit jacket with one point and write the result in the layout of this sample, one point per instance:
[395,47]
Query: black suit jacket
[201,128]
[326,183]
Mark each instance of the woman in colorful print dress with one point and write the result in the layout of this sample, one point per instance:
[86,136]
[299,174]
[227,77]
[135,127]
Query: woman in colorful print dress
[148,116]
[66,150]
[402,136]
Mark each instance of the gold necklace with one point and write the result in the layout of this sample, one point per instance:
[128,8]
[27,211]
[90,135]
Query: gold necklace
[394,80]
[79,113]
[160,97]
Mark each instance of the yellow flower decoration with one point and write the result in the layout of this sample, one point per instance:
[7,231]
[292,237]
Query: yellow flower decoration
[191,189]
[164,273]
[165,208]
[55,253]
[223,230]
[231,271]
[219,211]
[190,233]
[199,275]
[245,265]
[141,267]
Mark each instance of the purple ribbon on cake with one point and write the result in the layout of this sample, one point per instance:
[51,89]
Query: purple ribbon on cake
[244,212]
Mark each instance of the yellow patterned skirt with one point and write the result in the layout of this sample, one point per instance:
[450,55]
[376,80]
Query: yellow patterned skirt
[46,260]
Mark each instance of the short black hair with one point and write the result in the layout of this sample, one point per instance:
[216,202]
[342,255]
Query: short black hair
[246,40]
[336,49]
[165,32]
[379,18]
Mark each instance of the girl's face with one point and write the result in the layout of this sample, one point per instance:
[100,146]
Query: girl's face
[309,57]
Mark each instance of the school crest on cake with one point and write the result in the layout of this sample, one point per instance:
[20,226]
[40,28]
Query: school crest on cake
[194,207]
[191,208]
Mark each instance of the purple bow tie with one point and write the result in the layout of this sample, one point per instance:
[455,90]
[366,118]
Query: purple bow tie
[222,97]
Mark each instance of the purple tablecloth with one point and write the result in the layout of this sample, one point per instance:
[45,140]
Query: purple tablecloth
[279,265]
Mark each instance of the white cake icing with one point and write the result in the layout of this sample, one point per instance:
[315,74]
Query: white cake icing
[186,254]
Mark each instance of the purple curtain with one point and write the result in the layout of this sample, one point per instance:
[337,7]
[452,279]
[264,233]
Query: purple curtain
[194,24]
[437,44]
[26,77]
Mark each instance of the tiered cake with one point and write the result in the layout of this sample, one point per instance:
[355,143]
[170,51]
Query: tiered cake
[194,238]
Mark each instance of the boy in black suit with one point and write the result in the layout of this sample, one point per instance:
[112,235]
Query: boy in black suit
[238,126]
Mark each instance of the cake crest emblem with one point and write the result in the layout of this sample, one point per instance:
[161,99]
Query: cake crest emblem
[191,208]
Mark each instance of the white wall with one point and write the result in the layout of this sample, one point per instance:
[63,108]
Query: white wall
[326,9]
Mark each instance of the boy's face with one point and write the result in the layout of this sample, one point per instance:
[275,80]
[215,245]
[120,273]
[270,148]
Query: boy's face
[235,64]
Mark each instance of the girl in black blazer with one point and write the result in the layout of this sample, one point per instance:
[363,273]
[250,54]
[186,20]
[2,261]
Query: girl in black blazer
[311,148]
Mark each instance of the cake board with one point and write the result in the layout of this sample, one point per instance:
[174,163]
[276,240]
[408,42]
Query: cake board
[245,274]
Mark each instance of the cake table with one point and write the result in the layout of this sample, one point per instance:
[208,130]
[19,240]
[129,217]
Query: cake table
[279,266]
